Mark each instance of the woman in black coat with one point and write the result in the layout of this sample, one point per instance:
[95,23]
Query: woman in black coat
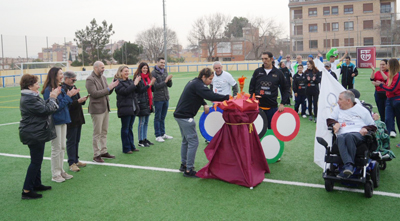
[288,80]
[35,129]
[145,101]
[313,76]
[127,107]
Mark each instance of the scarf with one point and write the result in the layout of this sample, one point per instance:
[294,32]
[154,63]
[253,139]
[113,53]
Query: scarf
[146,80]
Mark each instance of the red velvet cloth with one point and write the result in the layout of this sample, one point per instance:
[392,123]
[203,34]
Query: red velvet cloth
[235,155]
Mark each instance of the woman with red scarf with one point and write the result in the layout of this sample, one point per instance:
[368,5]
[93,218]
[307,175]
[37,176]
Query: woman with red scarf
[145,101]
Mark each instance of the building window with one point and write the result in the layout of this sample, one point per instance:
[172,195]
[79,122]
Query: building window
[335,42]
[369,24]
[349,42]
[348,26]
[298,46]
[335,26]
[385,7]
[327,43]
[386,24]
[368,41]
[335,10]
[327,26]
[298,14]
[313,43]
[348,9]
[386,41]
[327,11]
[313,28]
[298,30]
[312,12]
[368,7]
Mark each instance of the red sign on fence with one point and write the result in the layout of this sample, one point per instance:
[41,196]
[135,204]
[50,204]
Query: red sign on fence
[366,56]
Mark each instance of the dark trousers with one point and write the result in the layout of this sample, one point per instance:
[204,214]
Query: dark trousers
[380,100]
[313,100]
[127,134]
[347,144]
[300,100]
[270,113]
[348,85]
[73,139]
[392,111]
[33,175]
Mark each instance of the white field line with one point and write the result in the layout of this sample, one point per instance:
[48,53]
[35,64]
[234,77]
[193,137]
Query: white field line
[292,183]
[9,124]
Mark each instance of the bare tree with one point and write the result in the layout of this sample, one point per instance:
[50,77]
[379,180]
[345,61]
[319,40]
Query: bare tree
[263,35]
[208,31]
[152,41]
[390,34]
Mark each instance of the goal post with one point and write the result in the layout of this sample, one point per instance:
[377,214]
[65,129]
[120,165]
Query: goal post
[42,65]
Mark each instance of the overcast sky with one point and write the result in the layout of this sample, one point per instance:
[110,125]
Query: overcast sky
[59,19]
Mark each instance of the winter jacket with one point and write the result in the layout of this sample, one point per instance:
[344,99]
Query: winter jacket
[312,85]
[160,87]
[143,99]
[346,71]
[36,125]
[127,103]
[299,84]
[97,87]
[192,98]
[267,87]
[61,116]
[75,109]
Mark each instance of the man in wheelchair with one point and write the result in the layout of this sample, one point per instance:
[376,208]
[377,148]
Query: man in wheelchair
[350,122]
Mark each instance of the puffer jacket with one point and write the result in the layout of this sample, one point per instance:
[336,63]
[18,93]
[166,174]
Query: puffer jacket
[36,125]
[126,98]
[143,99]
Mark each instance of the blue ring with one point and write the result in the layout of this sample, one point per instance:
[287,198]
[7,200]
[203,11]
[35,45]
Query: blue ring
[202,121]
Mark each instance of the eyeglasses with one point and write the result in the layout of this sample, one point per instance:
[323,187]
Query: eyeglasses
[73,80]
[287,57]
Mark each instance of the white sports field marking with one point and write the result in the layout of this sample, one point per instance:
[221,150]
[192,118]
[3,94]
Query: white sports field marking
[292,183]
[9,124]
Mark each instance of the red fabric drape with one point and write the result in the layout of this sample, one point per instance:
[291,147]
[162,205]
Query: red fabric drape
[235,155]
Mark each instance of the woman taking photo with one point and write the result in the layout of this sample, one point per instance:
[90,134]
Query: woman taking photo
[145,102]
[35,129]
[313,76]
[380,94]
[392,88]
[189,103]
[127,107]
[61,118]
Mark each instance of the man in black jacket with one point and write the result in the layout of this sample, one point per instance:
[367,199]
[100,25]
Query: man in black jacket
[265,83]
[189,103]
[75,127]
[161,99]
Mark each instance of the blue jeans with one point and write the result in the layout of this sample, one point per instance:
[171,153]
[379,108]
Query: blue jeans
[143,125]
[33,175]
[127,134]
[392,111]
[270,113]
[347,144]
[160,109]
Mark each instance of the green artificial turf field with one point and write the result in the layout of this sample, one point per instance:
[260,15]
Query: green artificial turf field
[147,185]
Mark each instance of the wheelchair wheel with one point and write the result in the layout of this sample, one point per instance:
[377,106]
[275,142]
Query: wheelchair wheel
[329,185]
[375,175]
[369,189]
[382,165]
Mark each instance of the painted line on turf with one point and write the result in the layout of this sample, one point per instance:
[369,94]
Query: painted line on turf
[9,124]
[291,183]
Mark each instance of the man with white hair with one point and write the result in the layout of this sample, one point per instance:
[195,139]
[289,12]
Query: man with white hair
[351,122]
[223,81]
[99,108]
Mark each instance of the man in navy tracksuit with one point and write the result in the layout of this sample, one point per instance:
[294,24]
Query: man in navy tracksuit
[348,72]
[299,89]
[265,83]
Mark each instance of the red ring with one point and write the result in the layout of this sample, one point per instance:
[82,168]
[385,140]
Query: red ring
[275,119]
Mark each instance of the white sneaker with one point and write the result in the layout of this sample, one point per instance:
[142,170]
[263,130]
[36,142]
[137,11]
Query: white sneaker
[304,116]
[167,136]
[393,134]
[66,176]
[159,139]
[58,179]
